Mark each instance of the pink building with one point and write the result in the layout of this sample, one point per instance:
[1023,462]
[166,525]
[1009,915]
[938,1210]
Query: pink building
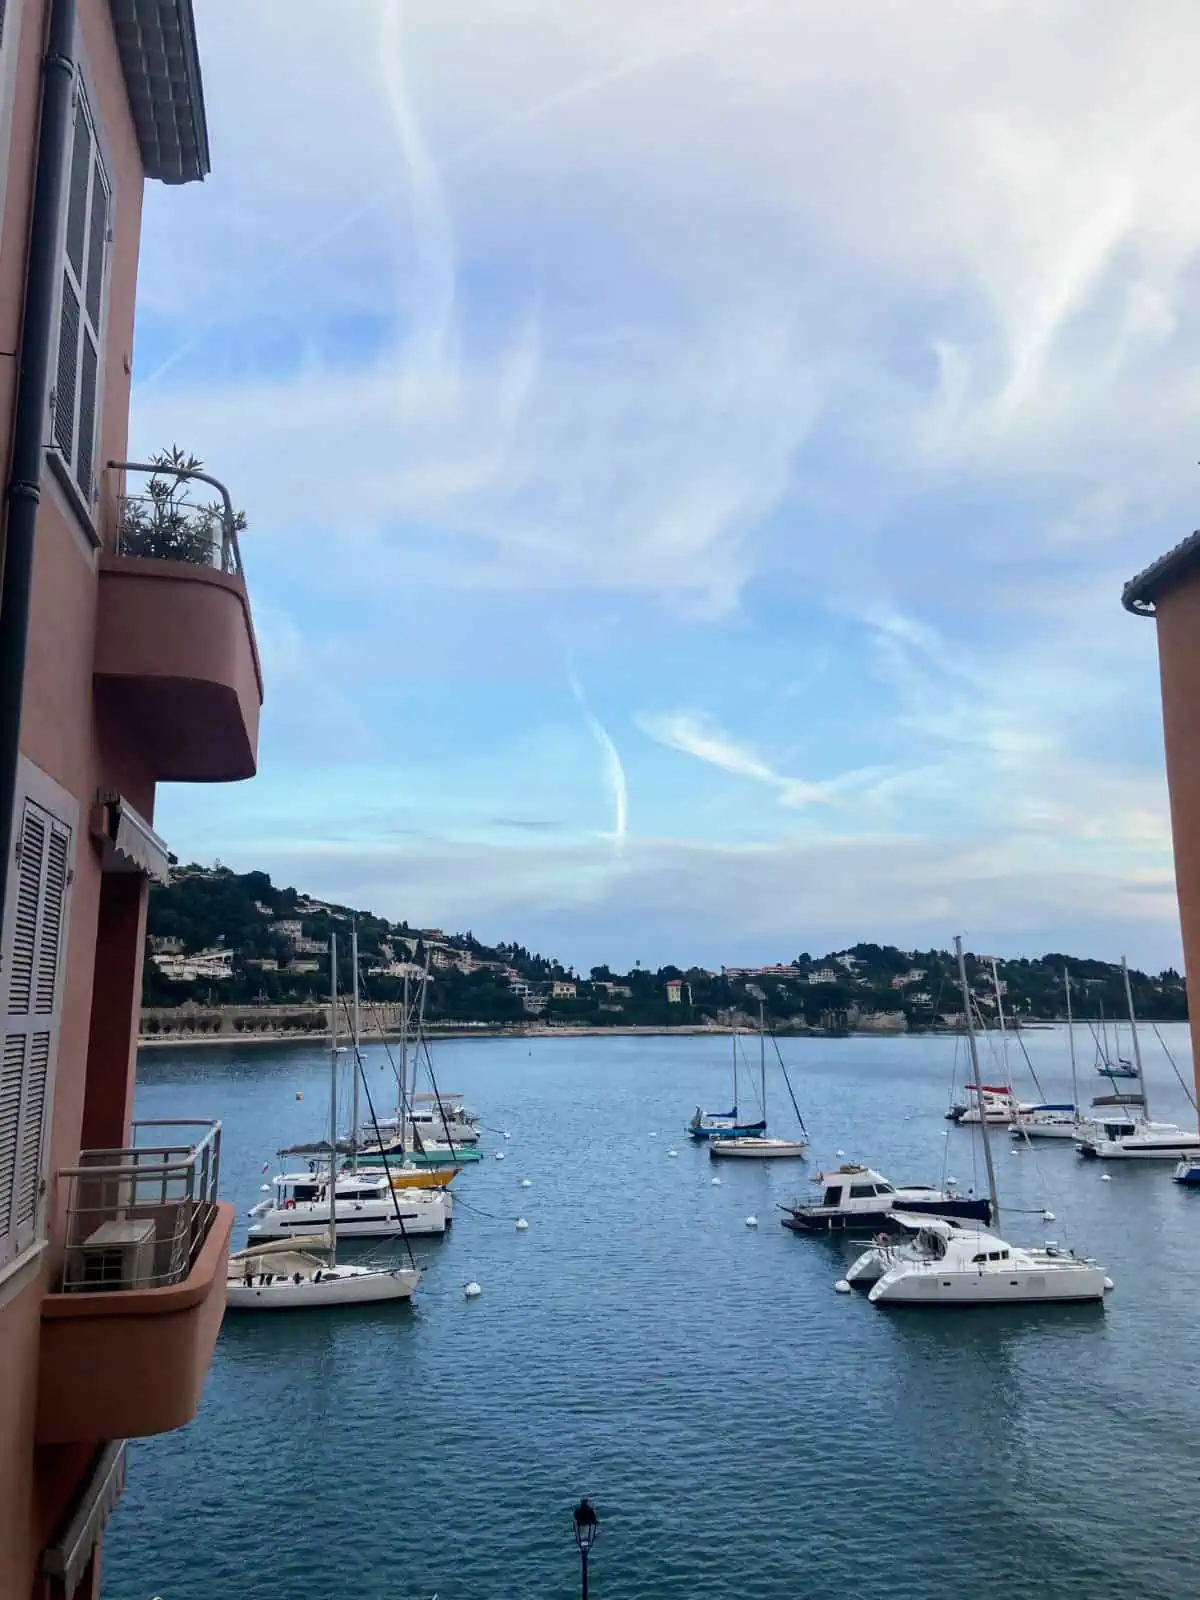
[127,657]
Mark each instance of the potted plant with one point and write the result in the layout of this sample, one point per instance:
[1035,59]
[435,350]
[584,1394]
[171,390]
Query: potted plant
[167,524]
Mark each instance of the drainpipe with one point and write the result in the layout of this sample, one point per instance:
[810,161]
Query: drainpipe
[23,490]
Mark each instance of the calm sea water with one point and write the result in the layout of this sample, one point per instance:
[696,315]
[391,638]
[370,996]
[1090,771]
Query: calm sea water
[743,1430]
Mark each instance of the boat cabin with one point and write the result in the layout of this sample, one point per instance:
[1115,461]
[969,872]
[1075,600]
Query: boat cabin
[306,1188]
[853,1183]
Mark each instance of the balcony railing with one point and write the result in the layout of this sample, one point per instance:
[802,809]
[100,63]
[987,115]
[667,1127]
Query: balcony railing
[164,522]
[137,1218]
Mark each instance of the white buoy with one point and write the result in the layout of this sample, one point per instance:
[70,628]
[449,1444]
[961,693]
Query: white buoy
[752,1222]
[1015,1151]
[508,1135]
[472,1290]
[1108,1284]
[672,1152]
[716,1183]
[1106,1177]
[1047,1216]
[951,1183]
[525,1183]
[945,1133]
[839,1152]
[521,1225]
[499,1155]
[842,1286]
[654,1136]
[264,1188]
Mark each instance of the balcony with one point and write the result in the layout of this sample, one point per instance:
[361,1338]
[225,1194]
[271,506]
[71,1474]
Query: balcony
[176,667]
[128,1337]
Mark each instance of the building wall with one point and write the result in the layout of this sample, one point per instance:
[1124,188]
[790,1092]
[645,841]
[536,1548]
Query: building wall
[1179,666]
[61,738]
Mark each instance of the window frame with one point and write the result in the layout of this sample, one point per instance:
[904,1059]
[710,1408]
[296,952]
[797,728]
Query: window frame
[13,12]
[83,92]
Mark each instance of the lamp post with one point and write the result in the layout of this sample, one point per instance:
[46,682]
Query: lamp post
[587,1525]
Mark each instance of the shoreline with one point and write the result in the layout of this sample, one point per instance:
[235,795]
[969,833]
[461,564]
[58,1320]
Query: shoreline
[192,1041]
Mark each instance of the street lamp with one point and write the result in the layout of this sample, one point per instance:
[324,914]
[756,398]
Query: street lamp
[587,1526]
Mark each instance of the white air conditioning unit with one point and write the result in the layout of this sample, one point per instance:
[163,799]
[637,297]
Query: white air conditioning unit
[119,1255]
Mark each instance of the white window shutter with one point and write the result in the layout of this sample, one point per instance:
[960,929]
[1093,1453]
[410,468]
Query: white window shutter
[35,962]
[81,310]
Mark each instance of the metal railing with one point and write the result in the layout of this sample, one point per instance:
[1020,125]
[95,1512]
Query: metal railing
[138,1217]
[163,524]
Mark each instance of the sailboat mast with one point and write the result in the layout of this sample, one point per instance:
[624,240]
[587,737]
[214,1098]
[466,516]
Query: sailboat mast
[735,1094]
[357,1035]
[762,1058]
[333,1050]
[403,1062]
[974,1049]
[1137,1049]
[1071,1043]
[1000,1024]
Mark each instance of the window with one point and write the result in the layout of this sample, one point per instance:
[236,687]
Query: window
[862,1191]
[75,396]
[833,1195]
[36,924]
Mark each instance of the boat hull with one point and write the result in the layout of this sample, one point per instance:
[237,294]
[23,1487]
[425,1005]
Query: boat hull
[756,1148]
[1121,1150]
[1044,1130]
[342,1287]
[748,1130]
[937,1285]
[824,1219]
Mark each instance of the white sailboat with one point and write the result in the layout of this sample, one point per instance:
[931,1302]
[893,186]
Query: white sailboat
[291,1275]
[1053,1121]
[1125,1132]
[758,1146]
[949,1264]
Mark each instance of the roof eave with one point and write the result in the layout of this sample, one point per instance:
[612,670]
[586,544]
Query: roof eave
[160,60]
[1141,594]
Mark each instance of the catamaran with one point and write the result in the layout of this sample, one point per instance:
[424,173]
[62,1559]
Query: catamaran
[1125,1132]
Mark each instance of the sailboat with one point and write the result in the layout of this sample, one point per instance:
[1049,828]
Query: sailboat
[706,1124]
[1056,1120]
[1107,1066]
[949,1264]
[1124,1132]
[303,1273]
[758,1146]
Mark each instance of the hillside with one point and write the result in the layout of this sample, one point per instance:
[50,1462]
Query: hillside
[219,938]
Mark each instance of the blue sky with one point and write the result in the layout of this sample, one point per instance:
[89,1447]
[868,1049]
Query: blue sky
[692,453]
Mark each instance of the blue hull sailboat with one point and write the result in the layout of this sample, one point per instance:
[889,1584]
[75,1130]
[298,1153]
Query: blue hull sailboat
[725,1124]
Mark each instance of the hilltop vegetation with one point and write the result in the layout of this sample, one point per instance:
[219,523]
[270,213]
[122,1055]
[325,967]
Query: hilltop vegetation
[217,937]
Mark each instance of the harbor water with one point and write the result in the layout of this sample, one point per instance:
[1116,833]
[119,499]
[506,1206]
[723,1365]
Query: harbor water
[742,1430]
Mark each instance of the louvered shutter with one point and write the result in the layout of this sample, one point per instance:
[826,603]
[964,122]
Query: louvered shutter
[35,959]
[81,313]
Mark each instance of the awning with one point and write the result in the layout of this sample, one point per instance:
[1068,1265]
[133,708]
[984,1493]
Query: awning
[129,843]
[65,1561]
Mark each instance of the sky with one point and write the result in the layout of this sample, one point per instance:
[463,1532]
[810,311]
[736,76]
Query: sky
[692,453]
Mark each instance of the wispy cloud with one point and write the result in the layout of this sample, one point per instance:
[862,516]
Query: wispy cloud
[695,735]
[614,772]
